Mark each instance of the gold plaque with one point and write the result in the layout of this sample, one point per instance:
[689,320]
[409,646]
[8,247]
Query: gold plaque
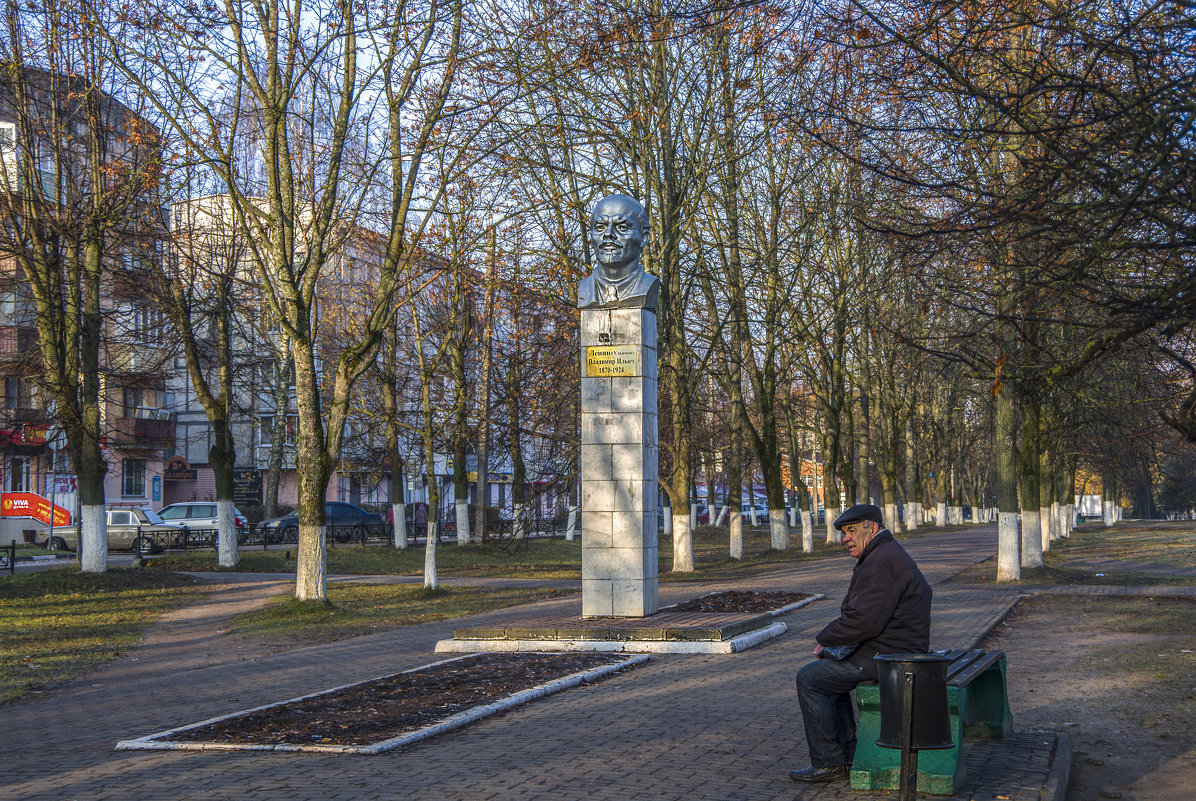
[612,361]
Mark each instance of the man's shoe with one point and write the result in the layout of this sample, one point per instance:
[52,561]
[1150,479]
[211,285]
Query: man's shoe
[813,775]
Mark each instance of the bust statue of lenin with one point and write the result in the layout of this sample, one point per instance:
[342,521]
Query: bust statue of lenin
[618,227]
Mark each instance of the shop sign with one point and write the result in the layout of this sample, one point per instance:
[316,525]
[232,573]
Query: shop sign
[30,504]
[178,469]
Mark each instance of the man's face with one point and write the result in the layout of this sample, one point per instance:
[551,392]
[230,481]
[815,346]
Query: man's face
[615,234]
[856,536]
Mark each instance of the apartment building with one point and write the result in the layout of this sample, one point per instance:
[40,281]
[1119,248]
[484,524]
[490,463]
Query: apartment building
[57,133]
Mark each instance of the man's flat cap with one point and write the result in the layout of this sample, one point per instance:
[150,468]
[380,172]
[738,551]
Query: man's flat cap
[859,513]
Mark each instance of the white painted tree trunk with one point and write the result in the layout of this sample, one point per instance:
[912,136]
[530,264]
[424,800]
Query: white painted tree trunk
[807,532]
[1031,538]
[736,535]
[1106,510]
[1008,561]
[940,515]
[93,539]
[520,521]
[911,515]
[683,552]
[833,535]
[431,580]
[1044,522]
[668,521]
[752,512]
[1071,520]
[693,516]
[462,510]
[723,512]
[891,521]
[956,515]
[312,584]
[1057,510]
[571,529]
[398,511]
[778,527]
[227,551]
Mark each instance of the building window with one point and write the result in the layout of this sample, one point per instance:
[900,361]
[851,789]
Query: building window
[18,475]
[266,431]
[17,394]
[132,478]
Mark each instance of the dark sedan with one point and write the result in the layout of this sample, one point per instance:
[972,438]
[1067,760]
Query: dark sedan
[344,521]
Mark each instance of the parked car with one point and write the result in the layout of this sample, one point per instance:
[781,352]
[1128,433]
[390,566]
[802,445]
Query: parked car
[202,515]
[761,512]
[346,522]
[137,528]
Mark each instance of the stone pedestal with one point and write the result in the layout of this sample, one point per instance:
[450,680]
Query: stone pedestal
[618,462]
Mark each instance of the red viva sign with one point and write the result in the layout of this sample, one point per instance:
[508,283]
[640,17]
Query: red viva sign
[29,504]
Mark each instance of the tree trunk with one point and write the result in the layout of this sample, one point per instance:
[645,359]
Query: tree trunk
[222,457]
[1028,480]
[1005,437]
[283,369]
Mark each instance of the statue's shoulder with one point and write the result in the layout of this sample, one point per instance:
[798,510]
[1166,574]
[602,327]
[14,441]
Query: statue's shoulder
[585,292]
[649,287]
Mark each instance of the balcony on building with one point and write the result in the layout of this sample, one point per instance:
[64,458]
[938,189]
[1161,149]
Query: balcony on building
[18,343]
[148,427]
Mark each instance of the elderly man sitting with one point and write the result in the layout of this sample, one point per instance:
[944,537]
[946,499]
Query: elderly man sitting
[886,611]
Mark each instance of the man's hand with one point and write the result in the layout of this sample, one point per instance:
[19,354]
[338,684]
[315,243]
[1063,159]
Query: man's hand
[818,650]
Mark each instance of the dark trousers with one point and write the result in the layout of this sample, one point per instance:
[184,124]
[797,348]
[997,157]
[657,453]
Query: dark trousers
[824,691]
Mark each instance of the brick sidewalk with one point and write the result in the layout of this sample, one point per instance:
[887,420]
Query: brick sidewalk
[718,727]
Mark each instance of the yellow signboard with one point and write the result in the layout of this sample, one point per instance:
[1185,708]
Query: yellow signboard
[612,361]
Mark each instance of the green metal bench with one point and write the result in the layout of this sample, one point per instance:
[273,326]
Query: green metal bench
[979,707]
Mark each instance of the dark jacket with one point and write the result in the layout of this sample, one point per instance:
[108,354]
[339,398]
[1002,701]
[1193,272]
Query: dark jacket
[887,606]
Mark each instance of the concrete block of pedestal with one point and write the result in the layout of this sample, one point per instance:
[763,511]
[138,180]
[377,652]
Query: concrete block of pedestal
[634,598]
[596,395]
[597,460]
[612,428]
[617,564]
[597,529]
[597,597]
[633,394]
[630,459]
[618,327]
[633,530]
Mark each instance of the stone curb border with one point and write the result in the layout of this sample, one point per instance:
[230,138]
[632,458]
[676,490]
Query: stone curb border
[1055,788]
[732,646]
[463,718]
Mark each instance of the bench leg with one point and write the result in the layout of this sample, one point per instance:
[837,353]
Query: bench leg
[940,772]
[985,705]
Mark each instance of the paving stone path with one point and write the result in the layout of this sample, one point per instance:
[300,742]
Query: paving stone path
[699,728]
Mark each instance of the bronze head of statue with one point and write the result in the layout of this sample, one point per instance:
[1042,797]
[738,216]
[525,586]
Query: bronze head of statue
[618,228]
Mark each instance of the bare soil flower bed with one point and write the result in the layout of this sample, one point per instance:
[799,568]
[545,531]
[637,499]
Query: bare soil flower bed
[740,601]
[377,710]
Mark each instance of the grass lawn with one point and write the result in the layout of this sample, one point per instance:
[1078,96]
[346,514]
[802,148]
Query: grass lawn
[57,624]
[536,559]
[539,558]
[355,609]
[1132,553]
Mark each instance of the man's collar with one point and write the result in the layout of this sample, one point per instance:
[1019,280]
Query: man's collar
[872,543]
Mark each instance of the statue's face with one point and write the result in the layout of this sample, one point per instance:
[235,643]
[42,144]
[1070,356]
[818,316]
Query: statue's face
[616,232]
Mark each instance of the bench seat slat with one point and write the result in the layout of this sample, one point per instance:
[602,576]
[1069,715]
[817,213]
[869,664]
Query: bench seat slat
[968,673]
